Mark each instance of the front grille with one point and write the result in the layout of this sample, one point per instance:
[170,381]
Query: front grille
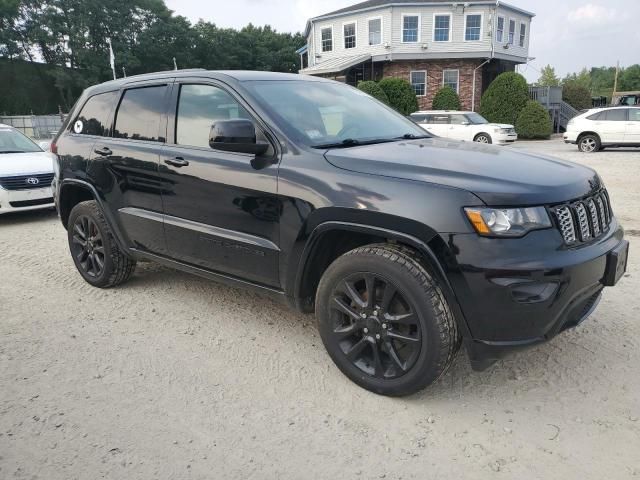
[584,220]
[31,203]
[26,182]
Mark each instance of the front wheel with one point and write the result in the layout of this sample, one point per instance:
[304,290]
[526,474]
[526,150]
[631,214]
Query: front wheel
[483,138]
[384,320]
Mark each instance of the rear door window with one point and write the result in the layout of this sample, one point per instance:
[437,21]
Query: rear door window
[458,119]
[94,116]
[634,115]
[618,115]
[140,114]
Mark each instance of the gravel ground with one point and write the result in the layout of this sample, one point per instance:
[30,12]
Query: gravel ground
[171,376]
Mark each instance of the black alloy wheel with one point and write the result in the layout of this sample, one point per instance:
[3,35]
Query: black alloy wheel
[87,246]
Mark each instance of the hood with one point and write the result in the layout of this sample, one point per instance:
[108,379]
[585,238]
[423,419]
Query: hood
[498,125]
[499,176]
[25,163]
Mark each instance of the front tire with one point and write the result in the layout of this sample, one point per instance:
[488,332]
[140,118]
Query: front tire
[483,138]
[384,320]
[589,143]
[93,248]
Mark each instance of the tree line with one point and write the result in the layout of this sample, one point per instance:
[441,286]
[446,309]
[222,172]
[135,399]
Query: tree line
[71,36]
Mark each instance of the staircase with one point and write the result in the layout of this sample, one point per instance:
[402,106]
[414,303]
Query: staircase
[551,99]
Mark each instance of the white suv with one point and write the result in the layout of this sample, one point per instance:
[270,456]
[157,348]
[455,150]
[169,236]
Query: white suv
[605,127]
[468,126]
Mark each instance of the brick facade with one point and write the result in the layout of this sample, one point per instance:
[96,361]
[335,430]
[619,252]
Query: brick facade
[434,68]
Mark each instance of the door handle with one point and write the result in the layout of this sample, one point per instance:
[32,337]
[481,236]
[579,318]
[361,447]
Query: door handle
[104,151]
[177,162]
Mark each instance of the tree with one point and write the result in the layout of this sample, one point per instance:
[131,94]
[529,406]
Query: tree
[401,95]
[505,98]
[373,89]
[548,77]
[446,99]
[630,79]
[576,95]
[583,79]
[534,122]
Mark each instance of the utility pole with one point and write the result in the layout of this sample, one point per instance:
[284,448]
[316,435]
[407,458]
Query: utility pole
[615,84]
[175,65]
[112,59]
[124,72]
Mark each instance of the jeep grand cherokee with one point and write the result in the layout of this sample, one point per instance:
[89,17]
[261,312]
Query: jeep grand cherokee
[308,190]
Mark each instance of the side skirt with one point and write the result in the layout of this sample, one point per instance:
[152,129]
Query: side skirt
[275,294]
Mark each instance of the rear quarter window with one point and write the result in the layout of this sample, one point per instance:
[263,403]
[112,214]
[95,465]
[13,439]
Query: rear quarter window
[94,116]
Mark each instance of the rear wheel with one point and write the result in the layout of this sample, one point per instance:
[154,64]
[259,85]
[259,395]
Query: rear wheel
[483,138]
[384,320]
[93,248]
[589,143]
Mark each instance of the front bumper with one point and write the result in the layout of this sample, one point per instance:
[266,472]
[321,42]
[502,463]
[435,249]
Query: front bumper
[24,200]
[504,138]
[516,293]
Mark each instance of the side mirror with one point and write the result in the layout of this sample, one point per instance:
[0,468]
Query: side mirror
[237,136]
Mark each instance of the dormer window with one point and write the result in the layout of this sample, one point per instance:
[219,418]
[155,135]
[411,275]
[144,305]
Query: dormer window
[349,35]
[375,31]
[410,28]
[327,39]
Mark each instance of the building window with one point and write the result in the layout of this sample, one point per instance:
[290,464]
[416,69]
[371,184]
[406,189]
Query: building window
[375,31]
[523,34]
[512,31]
[442,25]
[327,39]
[473,28]
[410,28]
[349,35]
[419,83]
[500,30]
[451,78]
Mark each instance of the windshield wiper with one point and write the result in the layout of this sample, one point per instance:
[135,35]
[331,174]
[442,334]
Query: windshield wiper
[352,142]
[12,151]
[412,136]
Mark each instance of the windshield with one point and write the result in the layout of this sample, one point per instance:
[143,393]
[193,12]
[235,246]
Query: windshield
[476,119]
[12,141]
[321,114]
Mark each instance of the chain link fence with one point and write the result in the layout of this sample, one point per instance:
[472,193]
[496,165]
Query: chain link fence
[39,127]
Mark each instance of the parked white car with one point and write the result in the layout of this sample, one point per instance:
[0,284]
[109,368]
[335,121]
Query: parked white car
[26,173]
[605,127]
[469,126]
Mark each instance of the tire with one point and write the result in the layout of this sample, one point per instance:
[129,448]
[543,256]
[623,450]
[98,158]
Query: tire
[412,339]
[94,249]
[589,143]
[483,138]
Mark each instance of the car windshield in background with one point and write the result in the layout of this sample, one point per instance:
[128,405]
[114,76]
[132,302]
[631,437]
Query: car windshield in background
[476,119]
[323,114]
[12,141]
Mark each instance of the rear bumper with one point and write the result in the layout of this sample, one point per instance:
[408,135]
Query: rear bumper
[24,200]
[517,293]
[570,137]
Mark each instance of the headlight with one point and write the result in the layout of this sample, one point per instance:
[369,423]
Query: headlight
[505,130]
[507,222]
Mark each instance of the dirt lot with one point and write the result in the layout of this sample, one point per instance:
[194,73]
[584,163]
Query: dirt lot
[171,376]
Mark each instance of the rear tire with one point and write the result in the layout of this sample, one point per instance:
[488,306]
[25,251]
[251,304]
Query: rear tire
[589,143]
[408,336]
[94,249]
[483,138]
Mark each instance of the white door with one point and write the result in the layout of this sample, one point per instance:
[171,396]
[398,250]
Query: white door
[438,125]
[632,134]
[612,125]
[459,127]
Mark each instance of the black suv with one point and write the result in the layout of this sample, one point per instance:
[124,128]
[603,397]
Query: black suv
[311,191]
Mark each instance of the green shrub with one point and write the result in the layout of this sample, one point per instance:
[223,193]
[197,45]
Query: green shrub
[534,122]
[446,99]
[576,95]
[401,95]
[373,89]
[505,98]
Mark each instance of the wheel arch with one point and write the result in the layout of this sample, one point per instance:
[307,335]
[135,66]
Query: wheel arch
[75,191]
[488,135]
[588,132]
[330,239]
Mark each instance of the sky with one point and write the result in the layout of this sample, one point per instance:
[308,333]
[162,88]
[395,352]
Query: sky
[567,34]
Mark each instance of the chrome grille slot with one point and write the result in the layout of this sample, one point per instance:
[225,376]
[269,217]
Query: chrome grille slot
[565,221]
[595,221]
[583,222]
